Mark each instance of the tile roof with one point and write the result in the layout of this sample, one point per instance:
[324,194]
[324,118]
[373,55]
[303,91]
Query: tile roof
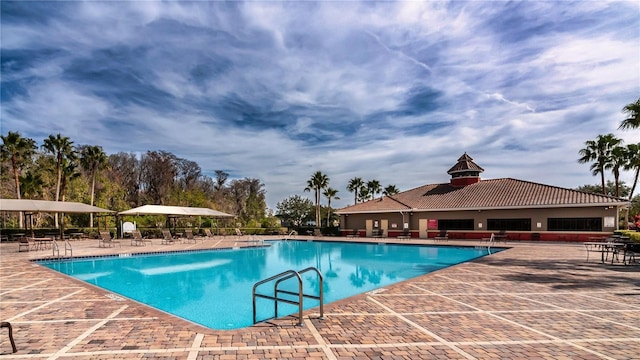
[485,194]
[465,163]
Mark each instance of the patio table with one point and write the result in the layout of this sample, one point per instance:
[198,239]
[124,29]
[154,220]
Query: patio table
[604,248]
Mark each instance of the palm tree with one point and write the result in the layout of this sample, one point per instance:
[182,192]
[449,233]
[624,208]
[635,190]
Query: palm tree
[617,162]
[633,164]
[32,184]
[17,150]
[632,154]
[374,187]
[317,182]
[599,152]
[61,148]
[330,193]
[633,121]
[390,190]
[354,186]
[92,159]
[364,193]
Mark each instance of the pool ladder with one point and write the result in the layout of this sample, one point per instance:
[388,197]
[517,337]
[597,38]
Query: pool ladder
[56,250]
[279,278]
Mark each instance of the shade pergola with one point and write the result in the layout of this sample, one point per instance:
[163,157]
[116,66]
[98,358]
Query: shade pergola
[49,206]
[175,211]
[46,206]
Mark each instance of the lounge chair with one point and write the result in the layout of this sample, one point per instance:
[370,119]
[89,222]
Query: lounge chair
[167,238]
[137,238]
[443,236]
[106,240]
[378,233]
[317,233]
[501,236]
[354,233]
[406,234]
[188,236]
[26,243]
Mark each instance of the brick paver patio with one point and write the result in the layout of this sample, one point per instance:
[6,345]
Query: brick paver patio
[533,301]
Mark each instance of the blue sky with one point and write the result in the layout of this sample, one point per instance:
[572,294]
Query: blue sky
[392,91]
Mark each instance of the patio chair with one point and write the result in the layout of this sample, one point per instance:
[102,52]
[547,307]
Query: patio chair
[106,240]
[188,236]
[238,232]
[354,233]
[208,233]
[26,243]
[378,233]
[317,233]
[167,238]
[137,238]
[631,250]
[443,236]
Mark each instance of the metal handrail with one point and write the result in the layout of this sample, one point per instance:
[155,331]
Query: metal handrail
[320,296]
[286,275]
[54,248]
[291,233]
[67,246]
[275,298]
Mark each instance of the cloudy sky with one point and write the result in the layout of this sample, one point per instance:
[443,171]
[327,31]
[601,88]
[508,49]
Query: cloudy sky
[392,91]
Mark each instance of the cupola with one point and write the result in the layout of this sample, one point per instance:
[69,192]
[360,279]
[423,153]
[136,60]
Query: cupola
[465,172]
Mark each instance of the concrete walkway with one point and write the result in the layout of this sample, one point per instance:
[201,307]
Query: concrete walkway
[533,301]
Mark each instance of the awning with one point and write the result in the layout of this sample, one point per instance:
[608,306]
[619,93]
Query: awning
[49,206]
[175,211]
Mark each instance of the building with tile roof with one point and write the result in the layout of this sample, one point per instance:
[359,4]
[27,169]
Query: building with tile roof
[471,208]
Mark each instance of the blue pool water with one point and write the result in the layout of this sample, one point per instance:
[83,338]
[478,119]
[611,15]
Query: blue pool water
[214,287]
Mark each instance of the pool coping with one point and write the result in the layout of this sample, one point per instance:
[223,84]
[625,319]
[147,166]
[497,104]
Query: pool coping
[405,321]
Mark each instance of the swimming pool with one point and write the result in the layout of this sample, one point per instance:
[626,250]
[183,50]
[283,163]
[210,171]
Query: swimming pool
[214,287]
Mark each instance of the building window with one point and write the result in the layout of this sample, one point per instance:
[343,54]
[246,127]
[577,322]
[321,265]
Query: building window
[455,224]
[509,224]
[574,224]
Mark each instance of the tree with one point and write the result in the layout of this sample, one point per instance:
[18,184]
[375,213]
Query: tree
[374,188]
[599,152]
[617,162]
[317,182]
[390,190]
[17,150]
[92,159]
[354,186]
[633,164]
[158,173]
[364,194]
[633,112]
[61,147]
[123,172]
[32,185]
[295,210]
[609,190]
[330,193]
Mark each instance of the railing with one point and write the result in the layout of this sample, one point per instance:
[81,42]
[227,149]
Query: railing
[279,278]
[293,232]
[54,247]
[67,246]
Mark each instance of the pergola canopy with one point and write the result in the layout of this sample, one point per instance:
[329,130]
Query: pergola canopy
[29,205]
[175,211]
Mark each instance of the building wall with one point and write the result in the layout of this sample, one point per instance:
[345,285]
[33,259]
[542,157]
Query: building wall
[538,218]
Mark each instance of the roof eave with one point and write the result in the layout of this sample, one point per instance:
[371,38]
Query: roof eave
[550,206]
